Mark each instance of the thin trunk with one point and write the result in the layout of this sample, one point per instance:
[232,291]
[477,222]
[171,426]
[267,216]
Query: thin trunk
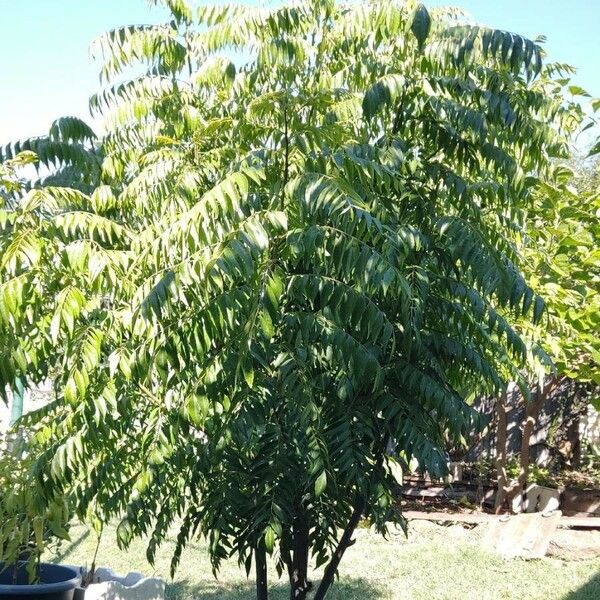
[501,438]
[300,585]
[344,543]
[91,574]
[260,555]
[531,415]
[532,412]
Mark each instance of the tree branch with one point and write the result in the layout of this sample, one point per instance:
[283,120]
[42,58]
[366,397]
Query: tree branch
[359,509]
[345,542]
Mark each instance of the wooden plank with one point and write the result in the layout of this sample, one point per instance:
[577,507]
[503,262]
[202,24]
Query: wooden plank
[587,522]
[475,518]
[457,485]
[471,492]
[443,493]
[430,492]
[454,517]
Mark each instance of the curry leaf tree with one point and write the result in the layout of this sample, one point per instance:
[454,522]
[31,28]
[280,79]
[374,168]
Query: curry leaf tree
[301,250]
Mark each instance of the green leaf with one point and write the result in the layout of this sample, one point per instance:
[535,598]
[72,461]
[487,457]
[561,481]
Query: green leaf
[38,528]
[421,24]
[538,309]
[270,539]
[248,371]
[595,149]
[384,93]
[70,391]
[576,90]
[320,483]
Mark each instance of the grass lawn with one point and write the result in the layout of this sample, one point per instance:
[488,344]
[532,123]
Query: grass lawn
[435,562]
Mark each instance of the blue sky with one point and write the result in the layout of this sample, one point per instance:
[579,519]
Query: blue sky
[46,71]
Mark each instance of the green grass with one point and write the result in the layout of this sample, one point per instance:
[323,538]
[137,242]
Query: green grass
[433,563]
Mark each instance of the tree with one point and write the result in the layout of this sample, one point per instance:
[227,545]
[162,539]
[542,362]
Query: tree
[562,263]
[32,231]
[288,264]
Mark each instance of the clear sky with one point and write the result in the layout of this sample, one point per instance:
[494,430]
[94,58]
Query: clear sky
[46,71]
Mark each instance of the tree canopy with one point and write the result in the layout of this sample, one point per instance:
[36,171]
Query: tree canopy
[563,263]
[300,245]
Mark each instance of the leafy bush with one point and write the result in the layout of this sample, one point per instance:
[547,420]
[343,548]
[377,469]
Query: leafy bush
[30,521]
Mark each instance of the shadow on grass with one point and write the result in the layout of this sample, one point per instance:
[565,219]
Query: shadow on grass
[588,591]
[355,589]
[66,549]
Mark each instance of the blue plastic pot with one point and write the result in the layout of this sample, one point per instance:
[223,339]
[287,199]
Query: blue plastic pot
[56,583]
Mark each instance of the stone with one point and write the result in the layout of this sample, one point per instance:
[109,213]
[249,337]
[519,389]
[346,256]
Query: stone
[539,498]
[526,535]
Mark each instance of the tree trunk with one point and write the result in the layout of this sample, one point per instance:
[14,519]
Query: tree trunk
[299,584]
[501,439]
[532,412]
[260,555]
[344,543]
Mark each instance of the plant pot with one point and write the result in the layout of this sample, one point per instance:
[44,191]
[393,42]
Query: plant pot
[108,585]
[57,582]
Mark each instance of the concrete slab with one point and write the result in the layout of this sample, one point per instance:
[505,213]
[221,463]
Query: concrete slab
[526,535]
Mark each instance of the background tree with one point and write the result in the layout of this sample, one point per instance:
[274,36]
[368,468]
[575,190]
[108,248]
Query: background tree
[30,237]
[11,184]
[289,263]
[68,155]
[562,263]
